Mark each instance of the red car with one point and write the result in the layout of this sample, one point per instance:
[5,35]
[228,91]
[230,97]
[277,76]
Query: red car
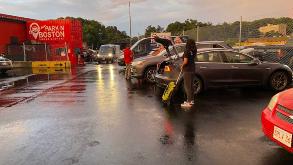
[277,119]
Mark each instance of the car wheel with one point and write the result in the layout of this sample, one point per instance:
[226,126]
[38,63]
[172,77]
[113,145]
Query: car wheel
[279,81]
[150,74]
[197,85]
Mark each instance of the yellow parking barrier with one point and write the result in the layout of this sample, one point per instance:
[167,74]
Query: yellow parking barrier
[51,70]
[51,64]
[40,64]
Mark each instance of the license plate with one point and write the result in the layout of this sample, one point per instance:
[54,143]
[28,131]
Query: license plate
[282,136]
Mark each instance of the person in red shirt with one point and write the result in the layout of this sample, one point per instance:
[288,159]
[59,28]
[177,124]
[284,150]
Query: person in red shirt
[128,57]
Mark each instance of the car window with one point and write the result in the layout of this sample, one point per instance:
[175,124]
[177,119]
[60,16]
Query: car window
[208,45]
[180,48]
[209,57]
[202,46]
[233,57]
[217,46]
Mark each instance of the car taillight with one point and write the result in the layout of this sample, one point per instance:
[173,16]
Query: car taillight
[273,102]
[167,69]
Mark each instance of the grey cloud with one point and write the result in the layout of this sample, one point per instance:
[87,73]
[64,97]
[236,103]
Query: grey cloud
[148,12]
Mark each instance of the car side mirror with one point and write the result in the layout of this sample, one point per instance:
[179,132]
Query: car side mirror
[255,62]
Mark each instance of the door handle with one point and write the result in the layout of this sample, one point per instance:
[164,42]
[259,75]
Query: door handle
[203,67]
[235,67]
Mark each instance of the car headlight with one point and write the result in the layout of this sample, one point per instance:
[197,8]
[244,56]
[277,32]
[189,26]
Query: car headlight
[110,54]
[98,55]
[273,102]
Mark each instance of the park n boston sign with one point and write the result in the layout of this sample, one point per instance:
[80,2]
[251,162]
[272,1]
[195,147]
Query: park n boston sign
[47,31]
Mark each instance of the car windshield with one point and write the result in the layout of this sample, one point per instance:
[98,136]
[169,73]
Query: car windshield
[106,49]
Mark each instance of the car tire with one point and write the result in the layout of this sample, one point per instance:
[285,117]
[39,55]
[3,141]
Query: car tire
[197,85]
[278,81]
[149,74]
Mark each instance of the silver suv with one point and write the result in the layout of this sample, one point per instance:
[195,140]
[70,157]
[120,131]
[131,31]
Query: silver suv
[145,67]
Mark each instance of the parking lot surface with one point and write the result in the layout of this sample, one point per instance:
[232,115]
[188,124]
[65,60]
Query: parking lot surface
[97,117]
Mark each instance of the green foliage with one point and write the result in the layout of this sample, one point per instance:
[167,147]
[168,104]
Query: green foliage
[230,32]
[177,28]
[96,34]
[151,29]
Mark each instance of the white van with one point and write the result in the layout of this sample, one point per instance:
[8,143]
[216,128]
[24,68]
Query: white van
[108,53]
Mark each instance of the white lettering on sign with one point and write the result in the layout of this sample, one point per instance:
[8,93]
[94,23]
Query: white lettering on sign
[47,32]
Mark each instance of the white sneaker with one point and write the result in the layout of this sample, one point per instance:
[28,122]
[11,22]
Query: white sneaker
[186,105]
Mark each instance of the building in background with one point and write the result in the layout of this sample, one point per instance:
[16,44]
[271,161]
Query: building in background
[12,31]
[48,40]
[280,28]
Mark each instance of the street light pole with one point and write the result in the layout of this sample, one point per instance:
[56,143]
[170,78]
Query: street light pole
[130,30]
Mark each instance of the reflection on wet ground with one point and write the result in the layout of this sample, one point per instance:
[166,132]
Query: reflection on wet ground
[99,118]
[20,88]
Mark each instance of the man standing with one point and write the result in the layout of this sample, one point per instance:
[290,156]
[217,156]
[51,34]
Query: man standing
[128,57]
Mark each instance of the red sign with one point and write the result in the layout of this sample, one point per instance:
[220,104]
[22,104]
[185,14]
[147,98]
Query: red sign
[47,30]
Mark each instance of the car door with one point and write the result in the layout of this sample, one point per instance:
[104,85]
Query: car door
[244,71]
[211,67]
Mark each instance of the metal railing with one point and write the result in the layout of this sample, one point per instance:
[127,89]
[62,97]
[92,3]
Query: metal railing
[37,52]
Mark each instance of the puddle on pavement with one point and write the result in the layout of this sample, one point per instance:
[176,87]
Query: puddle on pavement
[13,90]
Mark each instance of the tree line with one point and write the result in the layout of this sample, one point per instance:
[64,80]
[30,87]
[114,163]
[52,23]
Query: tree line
[224,30]
[96,34]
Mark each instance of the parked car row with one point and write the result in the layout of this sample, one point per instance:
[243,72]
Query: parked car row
[146,67]
[227,68]
[221,66]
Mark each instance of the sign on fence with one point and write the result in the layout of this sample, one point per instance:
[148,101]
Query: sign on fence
[47,31]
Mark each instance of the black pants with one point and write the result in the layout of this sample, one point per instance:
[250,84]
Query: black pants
[188,81]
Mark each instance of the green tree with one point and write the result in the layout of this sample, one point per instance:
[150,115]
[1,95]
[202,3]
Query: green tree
[152,29]
[177,28]
[96,34]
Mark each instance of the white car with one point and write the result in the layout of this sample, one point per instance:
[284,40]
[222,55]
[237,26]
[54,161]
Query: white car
[5,65]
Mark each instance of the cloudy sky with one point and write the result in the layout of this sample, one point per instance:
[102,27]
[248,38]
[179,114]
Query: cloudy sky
[149,12]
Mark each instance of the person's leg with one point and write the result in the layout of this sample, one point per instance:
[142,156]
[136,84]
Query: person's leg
[129,71]
[188,86]
[126,71]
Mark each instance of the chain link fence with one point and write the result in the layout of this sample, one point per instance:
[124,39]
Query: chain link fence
[271,38]
[37,52]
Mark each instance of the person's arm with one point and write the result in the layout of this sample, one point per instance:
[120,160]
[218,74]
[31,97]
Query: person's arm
[185,60]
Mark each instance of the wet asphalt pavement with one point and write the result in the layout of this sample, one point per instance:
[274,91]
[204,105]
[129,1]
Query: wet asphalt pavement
[93,116]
